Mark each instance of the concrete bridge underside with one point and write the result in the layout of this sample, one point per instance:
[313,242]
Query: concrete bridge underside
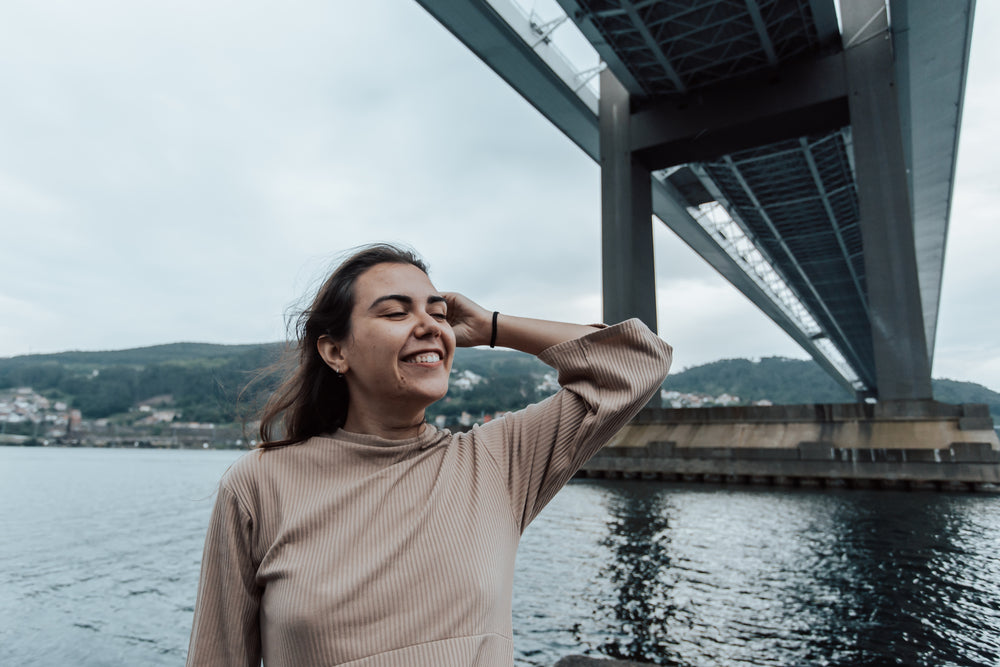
[829,151]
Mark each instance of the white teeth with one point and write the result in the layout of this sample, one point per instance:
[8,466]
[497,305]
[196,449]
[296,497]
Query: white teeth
[428,358]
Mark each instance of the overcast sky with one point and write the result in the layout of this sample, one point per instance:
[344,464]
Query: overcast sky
[186,171]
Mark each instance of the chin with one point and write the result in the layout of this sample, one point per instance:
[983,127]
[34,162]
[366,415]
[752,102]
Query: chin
[435,396]
[426,394]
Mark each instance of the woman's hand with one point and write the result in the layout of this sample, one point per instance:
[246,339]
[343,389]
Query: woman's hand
[471,323]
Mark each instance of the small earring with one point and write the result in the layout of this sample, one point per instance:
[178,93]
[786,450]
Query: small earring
[336,371]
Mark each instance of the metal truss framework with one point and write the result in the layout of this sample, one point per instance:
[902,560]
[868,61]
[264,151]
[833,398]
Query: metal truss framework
[733,238]
[673,47]
[797,201]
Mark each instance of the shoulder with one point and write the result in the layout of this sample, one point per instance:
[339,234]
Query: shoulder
[241,479]
[257,468]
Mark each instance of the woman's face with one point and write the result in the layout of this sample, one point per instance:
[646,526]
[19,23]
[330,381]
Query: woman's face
[400,348]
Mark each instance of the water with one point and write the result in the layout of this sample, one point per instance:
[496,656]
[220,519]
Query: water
[708,576]
[100,551]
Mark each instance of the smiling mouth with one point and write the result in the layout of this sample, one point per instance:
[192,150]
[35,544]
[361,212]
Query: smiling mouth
[423,358]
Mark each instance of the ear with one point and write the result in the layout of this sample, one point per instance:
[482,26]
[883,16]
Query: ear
[332,354]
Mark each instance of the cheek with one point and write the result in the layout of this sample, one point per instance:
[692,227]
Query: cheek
[449,338]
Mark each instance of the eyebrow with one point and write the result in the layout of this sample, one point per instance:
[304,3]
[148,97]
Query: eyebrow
[402,298]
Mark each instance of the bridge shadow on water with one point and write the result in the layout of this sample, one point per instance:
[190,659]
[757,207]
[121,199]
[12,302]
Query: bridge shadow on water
[701,575]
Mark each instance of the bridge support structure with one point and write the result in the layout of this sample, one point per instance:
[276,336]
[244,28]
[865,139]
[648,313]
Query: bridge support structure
[855,87]
[912,443]
[627,269]
[902,361]
[885,98]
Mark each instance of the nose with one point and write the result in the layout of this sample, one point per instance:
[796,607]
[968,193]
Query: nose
[427,326]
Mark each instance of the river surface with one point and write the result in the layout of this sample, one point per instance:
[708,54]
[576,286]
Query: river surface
[100,550]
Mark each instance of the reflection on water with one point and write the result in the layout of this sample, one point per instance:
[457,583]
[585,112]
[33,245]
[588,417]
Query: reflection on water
[642,601]
[701,576]
[100,550]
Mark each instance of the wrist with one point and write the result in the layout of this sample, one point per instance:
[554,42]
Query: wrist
[494,317]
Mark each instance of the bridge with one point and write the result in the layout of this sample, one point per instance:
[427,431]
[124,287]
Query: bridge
[810,161]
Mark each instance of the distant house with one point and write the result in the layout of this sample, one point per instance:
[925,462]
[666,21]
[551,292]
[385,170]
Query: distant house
[465,380]
[157,416]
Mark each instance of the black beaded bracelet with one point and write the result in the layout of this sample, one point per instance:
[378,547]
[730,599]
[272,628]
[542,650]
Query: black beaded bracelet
[493,337]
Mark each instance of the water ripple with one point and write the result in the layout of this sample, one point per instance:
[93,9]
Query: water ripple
[699,576]
[100,565]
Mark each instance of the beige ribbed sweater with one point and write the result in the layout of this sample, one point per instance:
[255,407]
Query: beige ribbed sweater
[354,550]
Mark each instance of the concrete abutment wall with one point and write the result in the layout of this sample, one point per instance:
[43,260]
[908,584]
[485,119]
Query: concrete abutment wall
[899,444]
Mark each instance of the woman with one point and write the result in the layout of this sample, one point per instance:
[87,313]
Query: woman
[367,537]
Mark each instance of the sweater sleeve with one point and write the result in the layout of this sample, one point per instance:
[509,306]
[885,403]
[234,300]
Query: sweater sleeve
[606,378]
[226,630]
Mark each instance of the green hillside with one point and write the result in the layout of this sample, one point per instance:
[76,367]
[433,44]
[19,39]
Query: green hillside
[953,391]
[794,381]
[139,356]
[779,380]
[213,383]
[203,381]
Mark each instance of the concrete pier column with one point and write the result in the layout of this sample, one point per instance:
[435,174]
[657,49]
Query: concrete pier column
[902,364]
[629,283]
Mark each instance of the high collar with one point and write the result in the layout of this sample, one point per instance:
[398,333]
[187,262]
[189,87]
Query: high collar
[376,447]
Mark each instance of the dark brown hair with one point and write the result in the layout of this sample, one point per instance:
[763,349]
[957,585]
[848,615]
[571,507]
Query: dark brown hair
[312,399]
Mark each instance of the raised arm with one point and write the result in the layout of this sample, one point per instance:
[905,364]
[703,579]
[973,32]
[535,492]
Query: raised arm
[607,374]
[473,325]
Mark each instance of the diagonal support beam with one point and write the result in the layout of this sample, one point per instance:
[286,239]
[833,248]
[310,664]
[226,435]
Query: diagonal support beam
[503,39]
[832,217]
[653,46]
[843,342]
[758,25]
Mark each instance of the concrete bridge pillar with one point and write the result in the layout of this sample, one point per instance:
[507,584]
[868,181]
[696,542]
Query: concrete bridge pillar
[902,362]
[627,274]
